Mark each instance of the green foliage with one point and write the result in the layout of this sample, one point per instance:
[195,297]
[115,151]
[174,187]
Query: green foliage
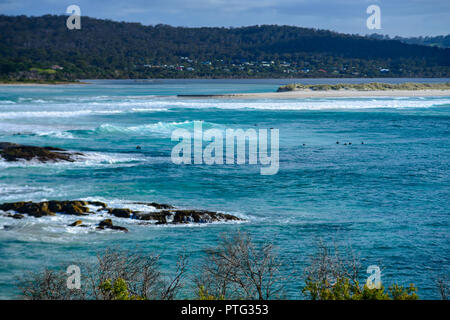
[399,293]
[204,295]
[130,277]
[373,86]
[437,41]
[346,289]
[107,49]
[117,290]
[44,71]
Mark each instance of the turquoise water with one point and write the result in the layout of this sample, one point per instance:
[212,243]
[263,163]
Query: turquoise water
[388,197]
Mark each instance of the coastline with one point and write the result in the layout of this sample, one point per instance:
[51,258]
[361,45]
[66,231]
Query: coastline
[398,141]
[327,94]
[28,84]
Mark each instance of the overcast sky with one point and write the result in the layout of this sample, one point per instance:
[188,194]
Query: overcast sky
[398,17]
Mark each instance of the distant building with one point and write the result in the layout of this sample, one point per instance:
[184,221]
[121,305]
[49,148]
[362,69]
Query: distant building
[56,67]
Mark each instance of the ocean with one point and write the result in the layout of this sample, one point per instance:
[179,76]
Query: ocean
[386,195]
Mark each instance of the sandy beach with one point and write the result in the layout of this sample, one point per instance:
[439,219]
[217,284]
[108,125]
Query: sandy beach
[328,94]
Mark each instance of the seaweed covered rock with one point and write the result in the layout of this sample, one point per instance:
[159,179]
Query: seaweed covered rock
[14,152]
[156,213]
[201,216]
[50,208]
[76,223]
[121,213]
[107,223]
[177,216]
[30,208]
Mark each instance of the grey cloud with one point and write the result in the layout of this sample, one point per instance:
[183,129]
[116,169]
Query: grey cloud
[399,17]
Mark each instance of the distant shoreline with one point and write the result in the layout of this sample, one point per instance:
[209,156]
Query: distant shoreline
[39,83]
[326,94]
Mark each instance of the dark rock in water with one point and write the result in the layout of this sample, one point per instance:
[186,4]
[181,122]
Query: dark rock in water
[107,224]
[4,145]
[184,216]
[158,206]
[15,216]
[121,213]
[166,214]
[159,217]
[200,216]
[14,152]
[49,208]
[77,208]
[119,228]
[98,204]
[76,223]
[30,208]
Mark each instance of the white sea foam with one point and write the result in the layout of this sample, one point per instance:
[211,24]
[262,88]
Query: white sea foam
[43,114]
[7,102]
[88,159]
[92,158]
[151,128]
[312,104]
[66,131]
[149,109]
[87,106]
[26,192]
[60,131]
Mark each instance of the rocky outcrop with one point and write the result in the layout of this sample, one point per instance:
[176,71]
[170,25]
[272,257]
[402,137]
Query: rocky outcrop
[14,152]
[51,208]
[77,223]
[156,205]
[121,213]
[108,224]
[156,214]
[161,217]
[200,216]
[15,216]
[174,216]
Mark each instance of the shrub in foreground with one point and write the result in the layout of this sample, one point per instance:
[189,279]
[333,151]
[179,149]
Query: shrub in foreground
[237,268]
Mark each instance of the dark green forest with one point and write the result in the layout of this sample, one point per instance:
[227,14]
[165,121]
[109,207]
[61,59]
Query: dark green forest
[37,48]
[437,41]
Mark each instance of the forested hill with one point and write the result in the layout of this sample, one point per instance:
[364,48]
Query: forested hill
[43,47]
[437,41]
